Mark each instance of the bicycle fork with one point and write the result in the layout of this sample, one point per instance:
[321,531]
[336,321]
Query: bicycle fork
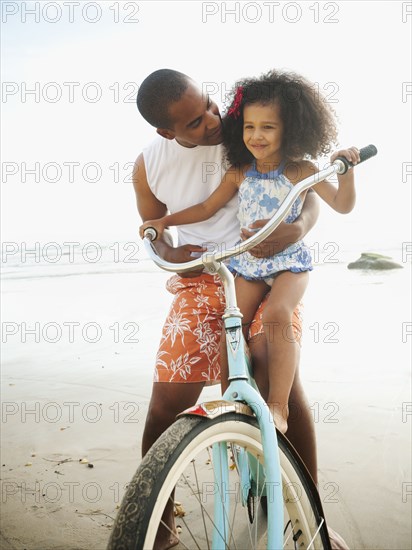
[241,390]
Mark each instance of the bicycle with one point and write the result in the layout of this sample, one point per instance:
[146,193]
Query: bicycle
[225,456]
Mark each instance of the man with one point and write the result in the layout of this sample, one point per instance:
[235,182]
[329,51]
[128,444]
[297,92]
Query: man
[181,168]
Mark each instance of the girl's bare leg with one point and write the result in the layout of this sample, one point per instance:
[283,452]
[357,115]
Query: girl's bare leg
[301,427]
[283,350]
[249,295]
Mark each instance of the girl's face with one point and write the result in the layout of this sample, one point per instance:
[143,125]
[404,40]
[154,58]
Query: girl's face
[262,134]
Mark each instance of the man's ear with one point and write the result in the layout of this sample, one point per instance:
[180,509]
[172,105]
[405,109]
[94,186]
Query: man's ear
[164,132]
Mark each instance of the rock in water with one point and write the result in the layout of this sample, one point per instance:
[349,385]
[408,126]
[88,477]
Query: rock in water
[369,260]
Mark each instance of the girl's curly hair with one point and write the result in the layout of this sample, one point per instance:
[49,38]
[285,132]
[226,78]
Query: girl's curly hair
[309,123]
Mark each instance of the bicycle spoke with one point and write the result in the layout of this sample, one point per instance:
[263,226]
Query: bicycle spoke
[290,534]
[230,523]
[201,505]
[257,511]
[316,534]
[198,500]
[173,533]
[191,534]
[203,513]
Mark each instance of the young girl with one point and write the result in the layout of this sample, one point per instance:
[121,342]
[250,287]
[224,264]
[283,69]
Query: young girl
[275,123]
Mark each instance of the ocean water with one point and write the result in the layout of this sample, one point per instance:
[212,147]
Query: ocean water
[116,283]
[24,259]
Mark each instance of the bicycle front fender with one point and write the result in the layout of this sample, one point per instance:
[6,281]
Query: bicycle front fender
[213,409]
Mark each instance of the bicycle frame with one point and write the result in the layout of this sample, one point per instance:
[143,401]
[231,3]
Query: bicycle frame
[240,389]
[241,386]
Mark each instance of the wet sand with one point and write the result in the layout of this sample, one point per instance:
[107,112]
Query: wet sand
[81,400]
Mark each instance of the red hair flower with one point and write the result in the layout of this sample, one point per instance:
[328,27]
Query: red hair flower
[235,109]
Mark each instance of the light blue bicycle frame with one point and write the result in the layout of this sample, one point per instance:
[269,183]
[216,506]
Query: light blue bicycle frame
[240,388]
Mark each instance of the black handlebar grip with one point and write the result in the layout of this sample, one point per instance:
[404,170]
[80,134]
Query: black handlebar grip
[365,153]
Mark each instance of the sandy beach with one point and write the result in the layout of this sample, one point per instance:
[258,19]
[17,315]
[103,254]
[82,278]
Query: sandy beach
[75,392]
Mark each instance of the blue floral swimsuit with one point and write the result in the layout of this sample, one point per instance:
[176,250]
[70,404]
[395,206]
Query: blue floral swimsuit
[260,196]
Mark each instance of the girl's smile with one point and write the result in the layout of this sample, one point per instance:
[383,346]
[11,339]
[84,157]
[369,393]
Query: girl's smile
[262,134]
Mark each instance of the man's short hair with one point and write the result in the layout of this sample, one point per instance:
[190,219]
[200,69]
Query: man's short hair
[157,92]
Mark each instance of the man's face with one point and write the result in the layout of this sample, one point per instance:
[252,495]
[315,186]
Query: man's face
[196,120]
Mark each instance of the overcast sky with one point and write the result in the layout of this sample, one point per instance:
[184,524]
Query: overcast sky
[70,127]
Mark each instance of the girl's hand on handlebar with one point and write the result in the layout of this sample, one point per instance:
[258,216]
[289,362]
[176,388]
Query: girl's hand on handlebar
[351,154]
[158,225]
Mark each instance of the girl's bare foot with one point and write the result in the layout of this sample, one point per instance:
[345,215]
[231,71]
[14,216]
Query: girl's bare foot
[280,416]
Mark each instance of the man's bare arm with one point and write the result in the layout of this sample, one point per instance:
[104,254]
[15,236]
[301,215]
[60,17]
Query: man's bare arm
[149,208]
[286,233]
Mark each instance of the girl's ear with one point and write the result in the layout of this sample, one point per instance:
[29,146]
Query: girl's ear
[164,132]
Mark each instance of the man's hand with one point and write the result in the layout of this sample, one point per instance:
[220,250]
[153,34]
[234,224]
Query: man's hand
[180,254]
[283,236]
[286,233]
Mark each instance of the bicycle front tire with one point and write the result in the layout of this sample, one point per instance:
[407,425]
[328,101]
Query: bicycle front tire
[181,459]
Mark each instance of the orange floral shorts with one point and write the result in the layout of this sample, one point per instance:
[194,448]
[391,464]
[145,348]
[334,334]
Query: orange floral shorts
[190,344]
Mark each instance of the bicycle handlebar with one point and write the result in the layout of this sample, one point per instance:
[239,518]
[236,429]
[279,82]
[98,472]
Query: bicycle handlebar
[365,153]
[339,166]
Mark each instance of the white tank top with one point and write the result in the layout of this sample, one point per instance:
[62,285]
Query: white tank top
[182,176]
